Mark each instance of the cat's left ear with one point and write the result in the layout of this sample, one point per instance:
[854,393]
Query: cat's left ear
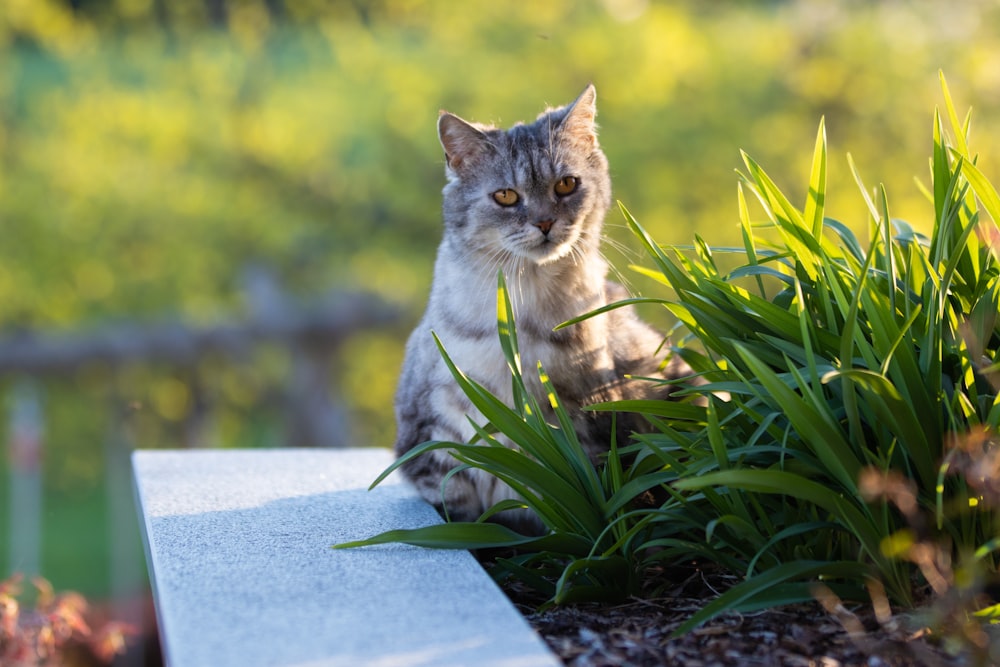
[579,124]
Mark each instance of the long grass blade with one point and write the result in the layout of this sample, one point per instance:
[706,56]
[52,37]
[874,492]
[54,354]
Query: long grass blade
[816,199]
[746,592]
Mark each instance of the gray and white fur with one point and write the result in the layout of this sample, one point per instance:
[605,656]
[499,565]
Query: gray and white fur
[529,201]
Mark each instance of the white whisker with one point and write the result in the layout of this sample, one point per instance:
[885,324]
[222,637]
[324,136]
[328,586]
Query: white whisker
[620,277]
[628,253]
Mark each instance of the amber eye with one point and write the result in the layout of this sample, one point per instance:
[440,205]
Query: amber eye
[505,197]
[566,186]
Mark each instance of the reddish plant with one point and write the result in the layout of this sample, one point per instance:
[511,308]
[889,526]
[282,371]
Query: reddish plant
[54,631]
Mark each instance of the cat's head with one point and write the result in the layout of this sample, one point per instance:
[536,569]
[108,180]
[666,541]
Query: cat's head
[534,191]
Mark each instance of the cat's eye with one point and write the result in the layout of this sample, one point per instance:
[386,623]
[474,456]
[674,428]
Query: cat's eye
[505,197]
[566,186]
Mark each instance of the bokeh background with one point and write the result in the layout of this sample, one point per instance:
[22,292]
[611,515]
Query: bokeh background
[161,158]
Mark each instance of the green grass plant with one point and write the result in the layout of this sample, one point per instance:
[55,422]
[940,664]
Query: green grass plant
[590,548]
[834,370]
[839,361]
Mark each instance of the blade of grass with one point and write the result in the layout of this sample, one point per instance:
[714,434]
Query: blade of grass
[751,589]
[471,535]
[816,199]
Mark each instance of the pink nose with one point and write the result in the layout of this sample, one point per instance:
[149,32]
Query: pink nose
[545,226]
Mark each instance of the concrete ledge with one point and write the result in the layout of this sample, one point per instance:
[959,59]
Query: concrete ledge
[238,544]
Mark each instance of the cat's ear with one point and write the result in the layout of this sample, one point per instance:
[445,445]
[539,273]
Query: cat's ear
[579,124]
[462,142]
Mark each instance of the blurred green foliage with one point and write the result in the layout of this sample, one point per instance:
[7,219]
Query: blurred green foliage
[150,150]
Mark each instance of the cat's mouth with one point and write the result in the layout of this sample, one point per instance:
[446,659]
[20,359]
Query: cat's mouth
[546,249]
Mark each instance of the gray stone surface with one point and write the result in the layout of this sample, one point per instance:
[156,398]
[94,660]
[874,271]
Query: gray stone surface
[238,543]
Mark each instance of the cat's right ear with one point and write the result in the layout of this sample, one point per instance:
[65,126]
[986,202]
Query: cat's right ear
[462,142]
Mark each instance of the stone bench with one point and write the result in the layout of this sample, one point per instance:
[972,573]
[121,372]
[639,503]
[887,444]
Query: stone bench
[238,547]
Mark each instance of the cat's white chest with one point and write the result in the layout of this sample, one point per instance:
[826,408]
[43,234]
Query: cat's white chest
[483,360]
[463,313]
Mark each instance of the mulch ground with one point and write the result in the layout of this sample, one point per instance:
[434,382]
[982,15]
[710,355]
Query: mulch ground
[637,633]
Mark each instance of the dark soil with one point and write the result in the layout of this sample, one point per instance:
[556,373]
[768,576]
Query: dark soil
[637,633]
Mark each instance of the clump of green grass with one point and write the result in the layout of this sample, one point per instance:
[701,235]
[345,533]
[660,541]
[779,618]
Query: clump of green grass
[593,547]
[830,364]
[840,362]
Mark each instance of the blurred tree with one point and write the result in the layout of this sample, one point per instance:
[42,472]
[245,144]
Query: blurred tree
[150,150]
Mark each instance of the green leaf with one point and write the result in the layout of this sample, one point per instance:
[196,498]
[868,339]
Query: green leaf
[787,219]
[985,190]
[634,488]
[673,409]
[750,591]
[818,432]
[412,454]
[607,308]
[572,450]
[748,237]
[505,419]
[611,576]
[471,535]
[849,511]
[861,186]
[557,498]
[806,527]
[816,199]
[960,131]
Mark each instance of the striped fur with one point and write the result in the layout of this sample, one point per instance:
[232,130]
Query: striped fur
[551,276]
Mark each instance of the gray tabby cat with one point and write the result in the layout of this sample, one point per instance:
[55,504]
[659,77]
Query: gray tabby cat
[531,201]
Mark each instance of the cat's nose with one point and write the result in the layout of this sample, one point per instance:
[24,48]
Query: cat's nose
[545,226]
